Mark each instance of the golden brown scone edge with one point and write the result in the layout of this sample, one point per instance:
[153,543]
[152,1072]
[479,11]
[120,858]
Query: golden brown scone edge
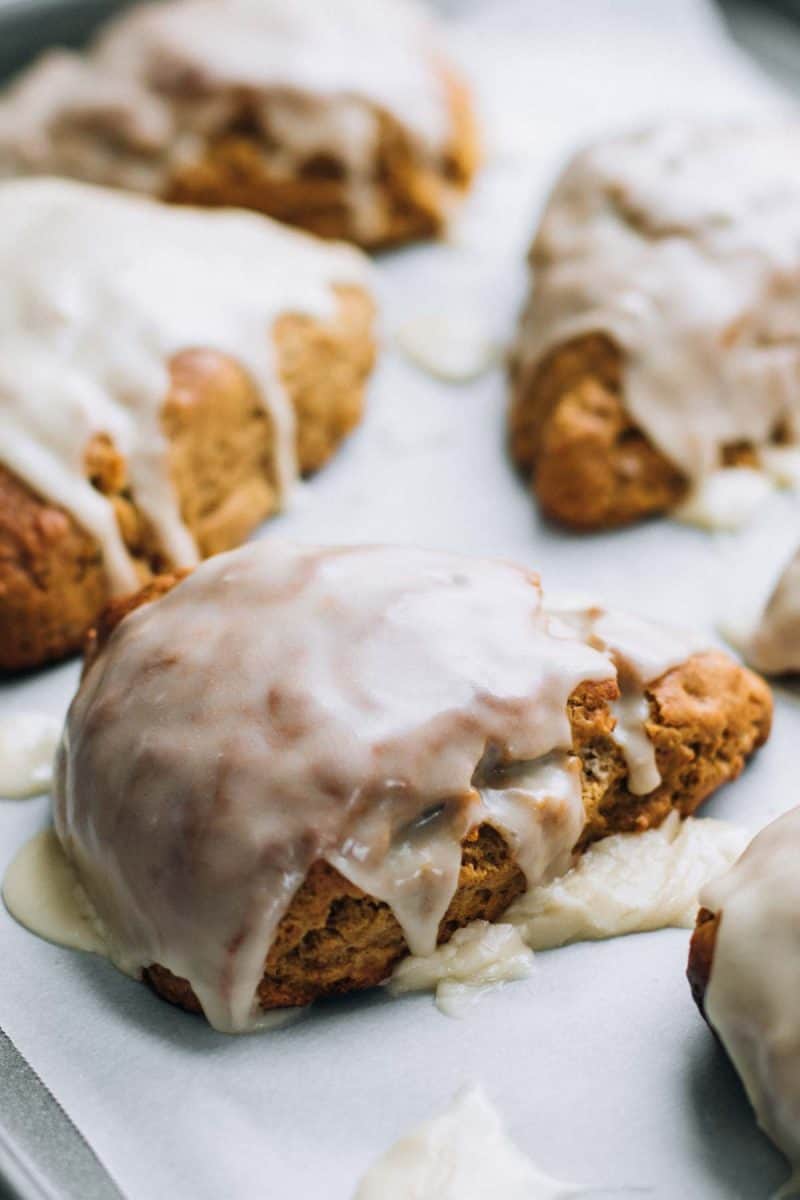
[589,465]
[707,716]
[701,955]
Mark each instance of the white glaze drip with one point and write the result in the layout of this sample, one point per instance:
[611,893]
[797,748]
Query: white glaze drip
[751,997]
[477,959]
[726,499]
[682,244]
[527,802]
[41,890]
[28,744]
[626,883]
[629,883]
[632,712]
[456,347]
[462,1154]
[782,464]
[100,291]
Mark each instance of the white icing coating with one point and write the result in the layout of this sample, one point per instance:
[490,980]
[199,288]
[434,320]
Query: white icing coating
[632,712]
[28,744]
[726,499]
[100,291]
[463,1153]
[682,245]
[364,706]
[41,890]
[752,994]
[629,883]
[478,959]
[297,46]
[163,81]
[455,347]
[782,464]
[773,645]
[626,883]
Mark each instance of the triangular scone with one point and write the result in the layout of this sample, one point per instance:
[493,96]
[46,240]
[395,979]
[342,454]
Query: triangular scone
[323,758]
[344,118]
[165,374]
[744,972]
[660,340]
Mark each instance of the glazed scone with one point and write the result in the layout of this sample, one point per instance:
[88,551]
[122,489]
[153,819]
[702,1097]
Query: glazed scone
[744,971]
[345,118]
[297,764]
[165,374]
[660,339]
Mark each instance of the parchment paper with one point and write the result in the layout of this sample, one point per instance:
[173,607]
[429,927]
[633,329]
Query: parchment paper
[602,1067]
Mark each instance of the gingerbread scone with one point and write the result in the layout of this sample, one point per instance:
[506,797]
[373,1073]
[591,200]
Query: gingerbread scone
[164,376]
[744,971]
[286,771]
[345,118]
[660,340]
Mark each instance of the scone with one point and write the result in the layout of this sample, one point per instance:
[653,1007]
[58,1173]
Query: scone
[774,645]
[744,971]
[660,339]
[165,374]
[344,118]
[283,773]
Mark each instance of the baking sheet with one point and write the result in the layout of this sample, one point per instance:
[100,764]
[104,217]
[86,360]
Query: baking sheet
[600,1064]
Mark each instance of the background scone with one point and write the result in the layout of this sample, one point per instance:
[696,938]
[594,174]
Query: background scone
[660,340]
[164,375]
[343,118]
[744,971]
[298,764]
[774,645]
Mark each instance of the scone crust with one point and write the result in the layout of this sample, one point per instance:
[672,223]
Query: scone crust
[701,955]
[707,716]
[53,585]
[589,465]
[414,195]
